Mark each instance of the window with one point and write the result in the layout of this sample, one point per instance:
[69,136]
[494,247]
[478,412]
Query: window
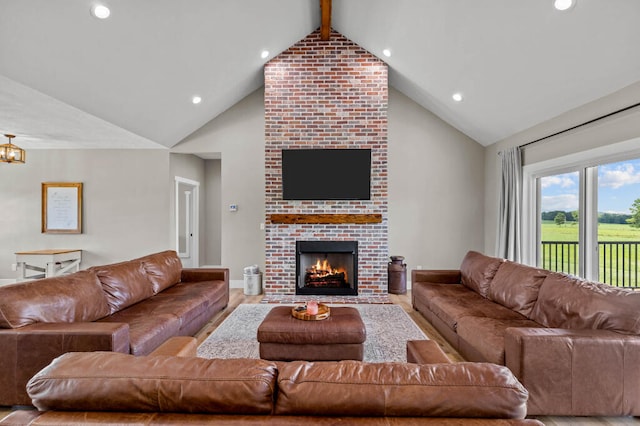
[582,215]
[618,228]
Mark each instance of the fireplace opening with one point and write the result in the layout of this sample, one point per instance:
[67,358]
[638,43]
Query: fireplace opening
[327,267]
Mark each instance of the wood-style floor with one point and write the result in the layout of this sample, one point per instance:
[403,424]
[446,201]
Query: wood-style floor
[237,297]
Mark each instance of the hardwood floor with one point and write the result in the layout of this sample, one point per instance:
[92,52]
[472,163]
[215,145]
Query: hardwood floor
[237,297]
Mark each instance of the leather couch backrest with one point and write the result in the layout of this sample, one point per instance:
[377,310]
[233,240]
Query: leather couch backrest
[570,302]
[516,286]
[70,298]
[478,270]
[109,381]
[354,388]
[124,283]
[163,269]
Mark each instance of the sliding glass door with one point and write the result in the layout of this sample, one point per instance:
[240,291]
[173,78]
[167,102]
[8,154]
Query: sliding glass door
[588,221]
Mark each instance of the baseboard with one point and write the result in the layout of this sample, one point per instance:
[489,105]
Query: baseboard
[5,281]
[240,283]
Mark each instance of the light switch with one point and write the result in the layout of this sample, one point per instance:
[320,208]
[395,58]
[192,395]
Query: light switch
[233,207]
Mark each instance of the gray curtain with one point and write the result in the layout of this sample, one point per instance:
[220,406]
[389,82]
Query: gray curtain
[509,240]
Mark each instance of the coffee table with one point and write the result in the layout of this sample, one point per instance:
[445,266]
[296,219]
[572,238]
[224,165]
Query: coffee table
[285,338]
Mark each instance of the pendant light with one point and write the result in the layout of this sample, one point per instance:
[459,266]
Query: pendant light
[10,153]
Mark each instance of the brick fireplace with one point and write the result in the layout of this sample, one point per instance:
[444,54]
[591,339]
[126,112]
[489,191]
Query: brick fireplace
[326,94]
[327,267]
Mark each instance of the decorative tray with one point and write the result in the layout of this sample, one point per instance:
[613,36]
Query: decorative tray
[300,312]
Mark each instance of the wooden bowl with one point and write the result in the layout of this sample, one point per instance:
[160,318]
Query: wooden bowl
[323,313]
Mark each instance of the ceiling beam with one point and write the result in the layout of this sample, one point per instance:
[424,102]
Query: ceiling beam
[325,27]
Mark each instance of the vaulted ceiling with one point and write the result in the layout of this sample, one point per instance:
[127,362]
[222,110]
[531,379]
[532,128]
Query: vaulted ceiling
[68,79]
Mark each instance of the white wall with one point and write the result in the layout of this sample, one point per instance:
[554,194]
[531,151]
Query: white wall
[436,187]
[614,129]
[238,136]
[436,192]
[125,204]
[214,212]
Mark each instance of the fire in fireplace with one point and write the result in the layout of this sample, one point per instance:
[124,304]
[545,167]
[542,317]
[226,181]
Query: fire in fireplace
[323,274]
[327,267]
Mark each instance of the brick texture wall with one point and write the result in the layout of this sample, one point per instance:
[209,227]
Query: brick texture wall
[326,94]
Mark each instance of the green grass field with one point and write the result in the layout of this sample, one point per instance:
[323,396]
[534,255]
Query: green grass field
[606,232]
[618,263]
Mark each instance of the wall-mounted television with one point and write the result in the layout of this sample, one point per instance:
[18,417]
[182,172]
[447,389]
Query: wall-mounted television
[326,174]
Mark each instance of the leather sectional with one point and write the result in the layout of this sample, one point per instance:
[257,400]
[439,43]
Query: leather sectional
[130,307]
[574,344]
[111,388]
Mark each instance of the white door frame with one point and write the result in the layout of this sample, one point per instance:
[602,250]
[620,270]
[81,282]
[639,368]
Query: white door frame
[193,204]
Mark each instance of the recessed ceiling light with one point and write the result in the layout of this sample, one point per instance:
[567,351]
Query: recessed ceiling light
[264,54]
[100,11]
[196,100]
[457,97]
[564,4]
[386,52]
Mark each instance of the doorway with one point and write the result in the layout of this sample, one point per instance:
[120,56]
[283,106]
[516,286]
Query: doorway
[187,200]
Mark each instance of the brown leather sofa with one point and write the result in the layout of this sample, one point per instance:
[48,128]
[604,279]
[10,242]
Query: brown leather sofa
[128,307]
[574,344]
[112,388]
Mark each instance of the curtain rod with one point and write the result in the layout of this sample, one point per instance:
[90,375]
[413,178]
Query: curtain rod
[582,124]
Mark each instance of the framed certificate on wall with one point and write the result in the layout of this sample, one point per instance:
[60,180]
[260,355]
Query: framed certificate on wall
[61,208]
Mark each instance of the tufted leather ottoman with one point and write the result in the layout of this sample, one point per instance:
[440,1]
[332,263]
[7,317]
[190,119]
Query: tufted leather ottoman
[285,338]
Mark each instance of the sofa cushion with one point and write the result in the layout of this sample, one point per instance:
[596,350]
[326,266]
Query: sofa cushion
[570,302]
[70,298]
[353,388]
[486,335]
[147,331]
[451,308]
[427,292]
[478,270]
[124,283]
[163,269]
[180,307]
[516,286]
[108,381]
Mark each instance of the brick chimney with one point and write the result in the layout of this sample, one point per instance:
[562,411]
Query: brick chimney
[326,94]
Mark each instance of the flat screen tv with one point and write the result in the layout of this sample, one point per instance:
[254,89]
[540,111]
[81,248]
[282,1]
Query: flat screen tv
[326,174]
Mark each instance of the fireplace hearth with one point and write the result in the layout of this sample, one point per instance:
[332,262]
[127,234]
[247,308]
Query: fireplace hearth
[327,268]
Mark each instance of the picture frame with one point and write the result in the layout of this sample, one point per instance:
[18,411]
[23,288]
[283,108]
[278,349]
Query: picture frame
[61,207]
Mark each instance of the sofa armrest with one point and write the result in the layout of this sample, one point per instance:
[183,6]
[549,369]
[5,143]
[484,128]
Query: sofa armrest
[26,350]
[426,352]
[576,372]
[442,276]
[205,274]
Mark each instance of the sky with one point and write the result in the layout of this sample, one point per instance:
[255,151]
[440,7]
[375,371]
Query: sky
[618,187]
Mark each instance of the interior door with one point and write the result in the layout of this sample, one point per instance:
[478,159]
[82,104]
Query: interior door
[186,213]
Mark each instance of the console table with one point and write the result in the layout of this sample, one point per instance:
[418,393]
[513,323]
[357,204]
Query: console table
[49,263]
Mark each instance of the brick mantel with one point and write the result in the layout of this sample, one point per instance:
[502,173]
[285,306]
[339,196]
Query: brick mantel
[326,94]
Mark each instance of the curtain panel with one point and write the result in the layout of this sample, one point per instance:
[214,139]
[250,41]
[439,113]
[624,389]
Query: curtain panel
[509,238]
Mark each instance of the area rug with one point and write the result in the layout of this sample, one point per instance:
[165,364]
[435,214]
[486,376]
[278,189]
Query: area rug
[388,329]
